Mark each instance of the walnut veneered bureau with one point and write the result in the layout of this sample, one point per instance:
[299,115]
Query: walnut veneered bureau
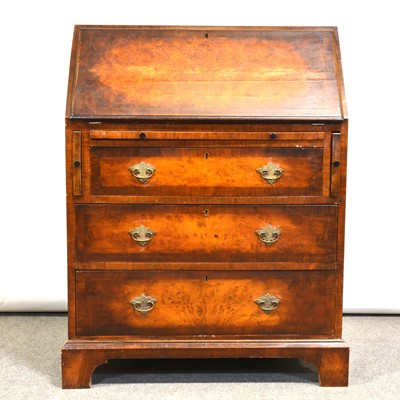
[206,175]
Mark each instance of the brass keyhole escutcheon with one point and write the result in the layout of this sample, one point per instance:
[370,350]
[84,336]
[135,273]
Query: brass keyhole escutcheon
[206,155]
[206,212]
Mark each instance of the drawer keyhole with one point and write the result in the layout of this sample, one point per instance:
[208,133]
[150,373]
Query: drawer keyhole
[206,213]
[206,278]
[206,156]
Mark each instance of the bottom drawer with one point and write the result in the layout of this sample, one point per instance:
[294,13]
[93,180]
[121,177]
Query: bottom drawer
[192,303]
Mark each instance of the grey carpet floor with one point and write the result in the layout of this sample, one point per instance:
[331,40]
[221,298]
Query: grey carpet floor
[30,368]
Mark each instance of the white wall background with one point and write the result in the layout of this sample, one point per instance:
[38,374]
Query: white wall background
[36,38]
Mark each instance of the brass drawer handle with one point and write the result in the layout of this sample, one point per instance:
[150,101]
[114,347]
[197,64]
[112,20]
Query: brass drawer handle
[142,171]
[268,303]
[269,234]
[270,172]
[143,303]
[142,234]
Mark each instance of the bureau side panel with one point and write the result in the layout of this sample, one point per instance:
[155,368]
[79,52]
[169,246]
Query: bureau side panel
[70,182]
[341,200]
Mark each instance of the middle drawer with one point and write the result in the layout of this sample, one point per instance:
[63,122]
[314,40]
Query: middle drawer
[231,233]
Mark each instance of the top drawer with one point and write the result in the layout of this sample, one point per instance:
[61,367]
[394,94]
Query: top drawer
[210,168]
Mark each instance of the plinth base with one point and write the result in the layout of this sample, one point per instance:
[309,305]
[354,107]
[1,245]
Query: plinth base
[80,358]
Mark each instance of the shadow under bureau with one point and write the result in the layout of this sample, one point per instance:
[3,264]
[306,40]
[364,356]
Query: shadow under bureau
[205,196]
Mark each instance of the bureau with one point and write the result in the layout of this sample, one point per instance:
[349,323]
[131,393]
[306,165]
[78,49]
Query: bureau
[206,175]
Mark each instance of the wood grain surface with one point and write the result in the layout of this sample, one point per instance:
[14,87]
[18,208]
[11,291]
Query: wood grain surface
[206,233]
[205,303]
[221,171]
[205,72]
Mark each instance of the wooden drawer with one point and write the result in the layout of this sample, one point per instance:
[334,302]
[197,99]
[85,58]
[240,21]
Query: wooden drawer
[205,303]
[210,171]
[205,233]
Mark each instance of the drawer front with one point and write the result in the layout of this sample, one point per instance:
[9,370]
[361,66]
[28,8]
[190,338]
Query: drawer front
[205,303]
[214,171]
[143,233]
